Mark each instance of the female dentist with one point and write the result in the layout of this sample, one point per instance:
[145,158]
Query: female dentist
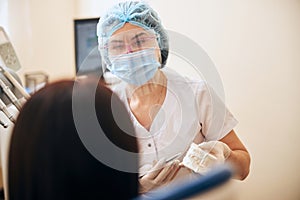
[169,112]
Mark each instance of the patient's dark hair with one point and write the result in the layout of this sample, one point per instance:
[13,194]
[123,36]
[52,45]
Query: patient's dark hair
[47,159]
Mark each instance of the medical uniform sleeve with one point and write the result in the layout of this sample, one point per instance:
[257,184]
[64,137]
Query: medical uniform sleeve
[215,119]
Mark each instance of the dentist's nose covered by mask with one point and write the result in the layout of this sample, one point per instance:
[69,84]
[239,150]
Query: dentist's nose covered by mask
[135,68]
[133,55]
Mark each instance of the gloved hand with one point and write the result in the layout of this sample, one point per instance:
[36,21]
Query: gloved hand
[200,158]
[217,148]
[160,174]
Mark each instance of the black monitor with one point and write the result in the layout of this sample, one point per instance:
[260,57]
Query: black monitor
[87,56]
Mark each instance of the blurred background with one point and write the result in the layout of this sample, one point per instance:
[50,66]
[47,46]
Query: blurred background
[255,45]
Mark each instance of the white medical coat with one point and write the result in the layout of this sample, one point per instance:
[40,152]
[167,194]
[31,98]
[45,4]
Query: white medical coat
[191,112]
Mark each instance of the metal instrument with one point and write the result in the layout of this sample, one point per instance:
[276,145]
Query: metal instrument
[11,90]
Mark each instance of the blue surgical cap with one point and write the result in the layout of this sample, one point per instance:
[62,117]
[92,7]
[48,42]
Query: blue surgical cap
[137,13]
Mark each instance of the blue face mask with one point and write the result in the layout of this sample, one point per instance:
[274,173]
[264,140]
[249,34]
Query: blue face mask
[135,68]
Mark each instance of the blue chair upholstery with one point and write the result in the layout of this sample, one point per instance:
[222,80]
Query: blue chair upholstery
[188,188]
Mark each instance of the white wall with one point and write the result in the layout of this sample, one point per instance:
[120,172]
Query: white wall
[255,45]
[42,34]
[93,8]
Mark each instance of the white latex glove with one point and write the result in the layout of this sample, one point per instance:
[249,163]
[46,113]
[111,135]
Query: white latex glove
[160,174]
[219,149]
[200,158]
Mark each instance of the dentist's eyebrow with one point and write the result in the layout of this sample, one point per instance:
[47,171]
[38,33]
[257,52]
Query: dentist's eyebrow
[138,35]
[116,41]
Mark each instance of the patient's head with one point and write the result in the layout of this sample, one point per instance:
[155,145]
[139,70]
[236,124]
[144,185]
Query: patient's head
[48,160]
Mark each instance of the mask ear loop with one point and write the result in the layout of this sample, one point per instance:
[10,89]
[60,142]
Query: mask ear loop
[159,58]
[158,42]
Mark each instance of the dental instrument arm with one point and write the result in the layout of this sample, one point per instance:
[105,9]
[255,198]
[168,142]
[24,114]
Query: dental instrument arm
[15,83]
[10,95]
[4,109]
[12,92]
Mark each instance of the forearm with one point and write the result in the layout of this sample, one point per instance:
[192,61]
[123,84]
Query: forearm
[240,159]
[239,156]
